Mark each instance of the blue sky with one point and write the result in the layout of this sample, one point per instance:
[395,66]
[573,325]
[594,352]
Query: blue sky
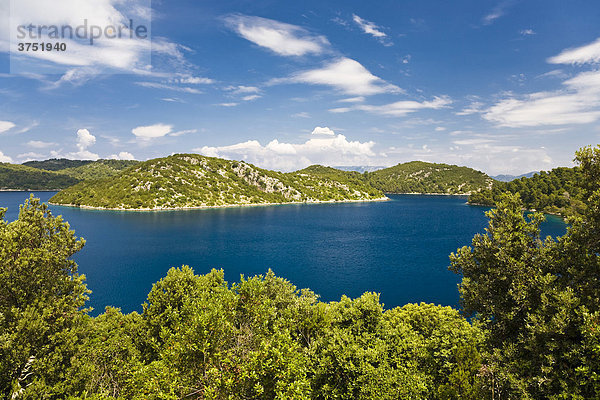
[501,86]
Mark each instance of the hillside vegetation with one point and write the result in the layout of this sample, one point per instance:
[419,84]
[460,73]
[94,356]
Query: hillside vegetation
[21,177]
[557,191]
[56,174]
[191,180]
[423,177]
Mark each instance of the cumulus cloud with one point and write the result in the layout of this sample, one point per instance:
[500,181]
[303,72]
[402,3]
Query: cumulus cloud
[577,102]
[84,140]
[323,131]
[346,75]
[4,158]
[123,155]
[329,149]
[6,126]
[283,39]
[399,108]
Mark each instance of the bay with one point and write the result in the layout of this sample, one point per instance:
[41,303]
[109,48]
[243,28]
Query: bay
[398,248]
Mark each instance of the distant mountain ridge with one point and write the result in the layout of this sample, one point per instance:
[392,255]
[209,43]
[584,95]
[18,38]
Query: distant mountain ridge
[359,168]
[508,178]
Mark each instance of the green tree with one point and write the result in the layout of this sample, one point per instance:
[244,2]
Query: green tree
[41,300]
[539,302]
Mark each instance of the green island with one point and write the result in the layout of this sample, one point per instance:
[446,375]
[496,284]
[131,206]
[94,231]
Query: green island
[56,174]
[529,327]
[428,178]
[195,181]
[554,192]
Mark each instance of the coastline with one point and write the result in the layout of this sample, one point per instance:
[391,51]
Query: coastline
[30,190]
[385,198]
[431,194]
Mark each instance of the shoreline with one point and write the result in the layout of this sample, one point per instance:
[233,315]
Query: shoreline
[385,198]
[30,190]
[432,194]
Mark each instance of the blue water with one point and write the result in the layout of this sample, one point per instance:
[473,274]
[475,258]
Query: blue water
[398,248]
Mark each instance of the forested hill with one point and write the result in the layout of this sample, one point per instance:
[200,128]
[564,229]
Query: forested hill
[57,174]
[557,191]
[21,177]
[192,180]
[423,177]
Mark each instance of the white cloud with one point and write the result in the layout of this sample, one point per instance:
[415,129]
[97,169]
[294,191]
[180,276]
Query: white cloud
[38,144]
[498,11]
[399,108]
[327,149]
[195,80]
[6,126]
[372,29]
[527,32]
[577,102]
[440,129]
[284,39]
[588,54]
[30,156]
[302,114]
[28,127]
[82,61]
[345,75]
[322,131]
[166,86]
[228,104]
[152,131]
[85,139]
[4,158]
[473,108]
[184,132]
[251,97]
[241,89]
[358,99]
[123,155]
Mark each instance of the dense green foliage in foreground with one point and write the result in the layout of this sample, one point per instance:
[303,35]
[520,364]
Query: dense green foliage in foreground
[423,177]
[557,192]
[191,180]
[535,332]
[57,173]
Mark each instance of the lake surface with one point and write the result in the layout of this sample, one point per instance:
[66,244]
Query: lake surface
[398,248]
